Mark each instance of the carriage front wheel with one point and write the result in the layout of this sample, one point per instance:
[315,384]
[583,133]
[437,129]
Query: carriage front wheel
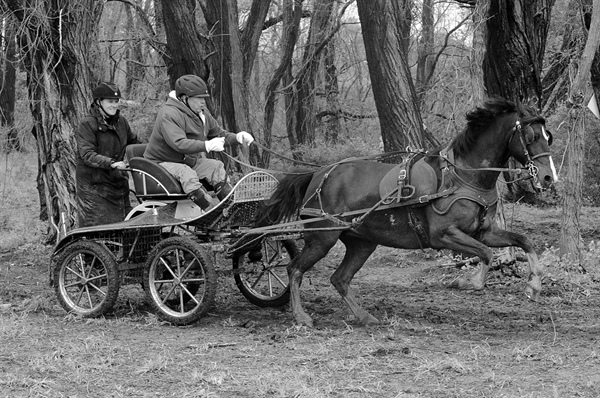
[261,275]
[180,281]
[86,279]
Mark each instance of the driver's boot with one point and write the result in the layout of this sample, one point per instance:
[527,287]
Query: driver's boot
[223,189]
[203,199]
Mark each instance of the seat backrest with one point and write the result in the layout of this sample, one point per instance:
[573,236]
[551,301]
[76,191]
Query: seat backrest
[151,179]
[135,151]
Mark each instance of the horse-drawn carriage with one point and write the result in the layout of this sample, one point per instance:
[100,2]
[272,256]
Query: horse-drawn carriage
[169,245]
[450,203]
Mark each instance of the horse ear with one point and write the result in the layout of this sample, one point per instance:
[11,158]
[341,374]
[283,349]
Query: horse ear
[520,107]
[530,105]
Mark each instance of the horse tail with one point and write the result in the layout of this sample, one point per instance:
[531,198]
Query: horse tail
[287,199]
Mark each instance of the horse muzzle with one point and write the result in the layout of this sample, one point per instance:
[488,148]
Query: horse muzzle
[543,174]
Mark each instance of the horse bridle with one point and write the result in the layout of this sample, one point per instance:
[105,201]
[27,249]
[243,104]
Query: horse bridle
[532,169]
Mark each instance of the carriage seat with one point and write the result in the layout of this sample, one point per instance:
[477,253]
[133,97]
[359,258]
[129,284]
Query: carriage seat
[150,179]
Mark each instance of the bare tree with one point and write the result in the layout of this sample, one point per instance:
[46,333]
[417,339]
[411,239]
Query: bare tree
[292,15]
[579,94]
[55,38]
[302,90]
[556,80]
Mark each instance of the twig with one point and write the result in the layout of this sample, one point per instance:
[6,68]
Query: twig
[219,345]
[553,327]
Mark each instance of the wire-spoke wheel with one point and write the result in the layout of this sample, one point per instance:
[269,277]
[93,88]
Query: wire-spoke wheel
[180,281]
[86,279]
[261,275]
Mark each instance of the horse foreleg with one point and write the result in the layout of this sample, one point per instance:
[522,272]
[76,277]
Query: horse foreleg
[497,237]
[357,252]
[455,239]
[315,248]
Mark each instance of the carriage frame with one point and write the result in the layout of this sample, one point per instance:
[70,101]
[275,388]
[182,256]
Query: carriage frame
[169,246]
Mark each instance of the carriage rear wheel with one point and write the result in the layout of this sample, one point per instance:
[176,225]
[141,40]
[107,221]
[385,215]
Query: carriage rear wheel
[180,280]
[86,279]
[262,275]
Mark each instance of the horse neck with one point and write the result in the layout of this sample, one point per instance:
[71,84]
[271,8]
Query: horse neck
[490,151]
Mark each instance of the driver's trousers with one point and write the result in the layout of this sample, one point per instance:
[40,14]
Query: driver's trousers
[210,170]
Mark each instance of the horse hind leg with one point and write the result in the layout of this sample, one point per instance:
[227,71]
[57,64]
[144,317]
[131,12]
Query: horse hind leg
[357,252]
[316,246]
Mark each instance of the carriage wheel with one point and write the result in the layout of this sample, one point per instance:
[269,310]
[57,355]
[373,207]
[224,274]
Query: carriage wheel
[262,276]
[180,281]
[86,279]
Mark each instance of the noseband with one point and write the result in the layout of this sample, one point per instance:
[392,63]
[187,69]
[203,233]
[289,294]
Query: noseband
[529,165]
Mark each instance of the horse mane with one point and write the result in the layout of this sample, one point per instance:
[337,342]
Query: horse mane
[480,120]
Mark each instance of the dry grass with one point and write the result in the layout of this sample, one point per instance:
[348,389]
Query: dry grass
[432,342]
[19,201]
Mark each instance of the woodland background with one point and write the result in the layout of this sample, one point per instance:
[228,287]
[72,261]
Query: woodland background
[316,80]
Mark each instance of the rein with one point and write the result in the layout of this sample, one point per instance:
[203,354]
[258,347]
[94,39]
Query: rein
[380,156]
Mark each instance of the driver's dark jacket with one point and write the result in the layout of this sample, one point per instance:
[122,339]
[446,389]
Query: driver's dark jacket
[102,192]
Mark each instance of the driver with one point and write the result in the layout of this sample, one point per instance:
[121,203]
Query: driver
[184,132]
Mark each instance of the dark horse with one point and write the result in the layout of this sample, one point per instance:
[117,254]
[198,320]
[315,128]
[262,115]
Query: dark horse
[454,206]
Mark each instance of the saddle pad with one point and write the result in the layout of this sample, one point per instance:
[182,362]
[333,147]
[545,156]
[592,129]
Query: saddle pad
[422,177]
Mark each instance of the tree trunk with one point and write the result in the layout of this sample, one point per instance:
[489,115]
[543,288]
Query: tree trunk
[303,90]
[292,14]
[579,94]
[135,71]
[184,47]
[555,81]
[425,50]
[478,52]
[515,52]
[393,89]
[250,37]
[331,122]
[54,44]
[7,88]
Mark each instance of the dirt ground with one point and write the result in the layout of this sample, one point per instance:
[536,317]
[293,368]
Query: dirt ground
[432,341]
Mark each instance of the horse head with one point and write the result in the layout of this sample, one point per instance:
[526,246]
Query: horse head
[530,145]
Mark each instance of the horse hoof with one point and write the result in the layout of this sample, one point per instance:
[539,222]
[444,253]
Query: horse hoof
[532,294]
[457,284]
[308,322]
[369,320]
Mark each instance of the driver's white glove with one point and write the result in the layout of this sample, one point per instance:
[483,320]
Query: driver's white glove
[244,138]
[215,145]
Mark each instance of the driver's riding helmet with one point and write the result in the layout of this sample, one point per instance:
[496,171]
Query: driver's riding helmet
[192,86]
[106,90]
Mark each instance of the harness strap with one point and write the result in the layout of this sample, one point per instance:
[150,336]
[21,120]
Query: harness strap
[417,226]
